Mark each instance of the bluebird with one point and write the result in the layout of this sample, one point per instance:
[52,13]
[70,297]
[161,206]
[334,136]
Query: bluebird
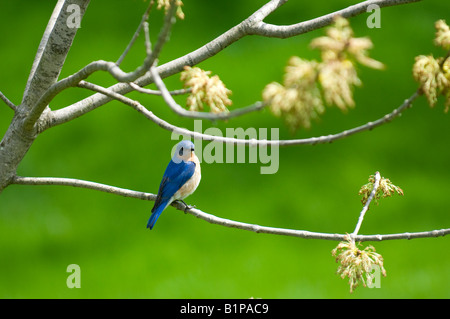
[180,179]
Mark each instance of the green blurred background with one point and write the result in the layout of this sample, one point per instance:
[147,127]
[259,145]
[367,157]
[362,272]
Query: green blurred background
[43,229]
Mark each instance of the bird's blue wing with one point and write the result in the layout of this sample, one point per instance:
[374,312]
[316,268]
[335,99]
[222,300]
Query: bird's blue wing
[175,176]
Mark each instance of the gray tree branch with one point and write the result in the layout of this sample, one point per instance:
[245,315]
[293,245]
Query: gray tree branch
[218,220]
[249,142]
[139,89]
[52,52]
[46,68]
[286,31]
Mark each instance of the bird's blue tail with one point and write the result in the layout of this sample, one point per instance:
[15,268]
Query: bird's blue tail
[156,212]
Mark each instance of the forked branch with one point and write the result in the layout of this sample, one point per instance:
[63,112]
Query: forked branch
[218,220]
[110,67]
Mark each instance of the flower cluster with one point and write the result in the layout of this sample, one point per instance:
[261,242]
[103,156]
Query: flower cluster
[434,74]
[166,5]
[339,51]
[427,71]
[337,79]
[442,37]
[339,44]
[299,99]
[386,189]
[357,264]
[205,89]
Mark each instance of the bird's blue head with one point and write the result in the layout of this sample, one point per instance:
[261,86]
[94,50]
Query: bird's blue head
[183,151]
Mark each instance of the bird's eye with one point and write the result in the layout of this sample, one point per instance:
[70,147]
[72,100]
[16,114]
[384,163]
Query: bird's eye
[180,152]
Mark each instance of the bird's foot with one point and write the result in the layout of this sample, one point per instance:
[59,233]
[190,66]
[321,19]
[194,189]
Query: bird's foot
[186,206]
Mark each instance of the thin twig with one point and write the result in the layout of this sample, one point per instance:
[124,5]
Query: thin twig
[11,105]
[136,34]
[139,89]
[218,220]
[148,44]
[163,35]
[376,184]
[248,142]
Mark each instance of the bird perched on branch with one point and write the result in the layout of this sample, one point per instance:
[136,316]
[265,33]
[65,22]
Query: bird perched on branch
[180,179]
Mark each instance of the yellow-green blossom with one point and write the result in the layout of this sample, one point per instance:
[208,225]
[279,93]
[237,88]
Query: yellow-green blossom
[427,71]
[205,89]
[340,44]
[386,189]
[298,101]
[337,78]
[166,5]
[433,74]
[442,37]
[340,51]
[356,264]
